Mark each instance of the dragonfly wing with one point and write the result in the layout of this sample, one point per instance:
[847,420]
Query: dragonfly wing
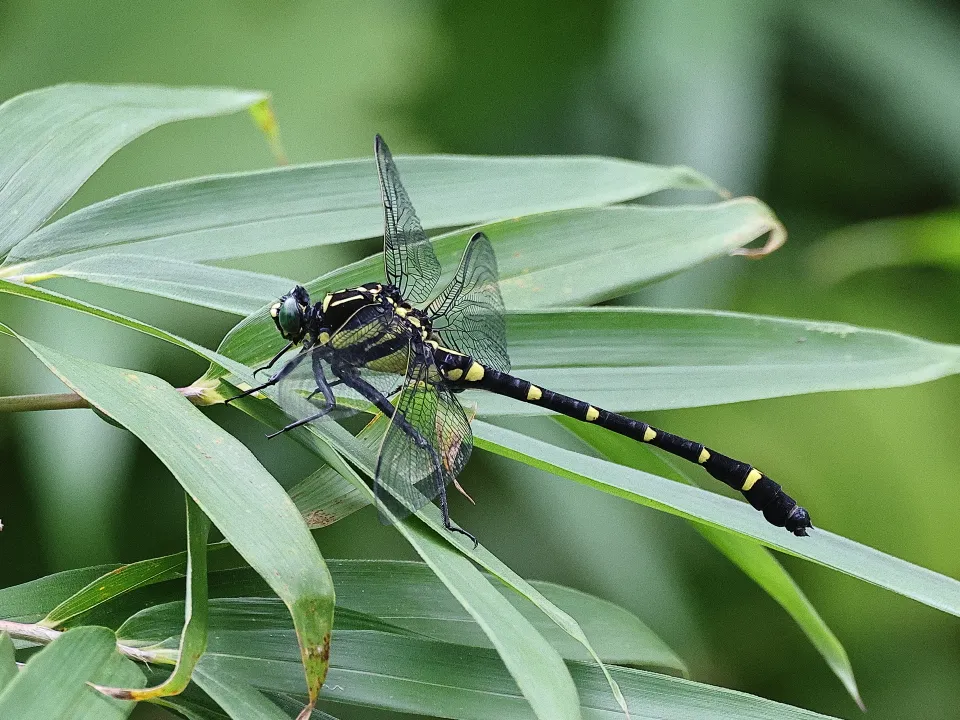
[363,344]
[427,443]
[469,314]
[411,264]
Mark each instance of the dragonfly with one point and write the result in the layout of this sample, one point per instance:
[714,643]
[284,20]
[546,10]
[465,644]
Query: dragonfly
[404,350]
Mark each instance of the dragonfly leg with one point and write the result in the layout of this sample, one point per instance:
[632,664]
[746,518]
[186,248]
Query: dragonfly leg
[276,377]
[302,421]
[274,359]
[387,408]
[449,525]
[323,387]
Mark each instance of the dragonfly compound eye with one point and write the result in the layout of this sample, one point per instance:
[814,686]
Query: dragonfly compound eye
[290,318]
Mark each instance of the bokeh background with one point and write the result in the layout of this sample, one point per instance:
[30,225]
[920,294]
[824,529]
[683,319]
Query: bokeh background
[836,113]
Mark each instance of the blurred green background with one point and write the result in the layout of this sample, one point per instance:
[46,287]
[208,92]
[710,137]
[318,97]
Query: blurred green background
[833,112]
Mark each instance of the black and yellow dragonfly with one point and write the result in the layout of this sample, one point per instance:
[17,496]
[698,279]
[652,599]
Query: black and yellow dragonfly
[375,343]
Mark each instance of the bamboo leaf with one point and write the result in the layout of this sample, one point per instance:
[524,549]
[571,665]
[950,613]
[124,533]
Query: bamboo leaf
[758,563]
[53,139]
[54,682]
[289,208]
[118,580]
[416,675]
[822,547]
[30,601]
[630,359]
[238,699]
[234,291]
[8,661]
[228,484]
[891,242]
[540,257]
[193,638]
[409,595]
[334,444]
[535,666]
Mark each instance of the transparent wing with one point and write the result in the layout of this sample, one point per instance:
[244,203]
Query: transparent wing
[300,394]
[468,315]
[427,443]
[411,264]
[368,343]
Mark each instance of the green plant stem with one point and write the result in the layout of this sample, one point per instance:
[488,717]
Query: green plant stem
[71,401]
[45,636]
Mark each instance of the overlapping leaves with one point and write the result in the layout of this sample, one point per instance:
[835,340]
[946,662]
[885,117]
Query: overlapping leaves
[158,240]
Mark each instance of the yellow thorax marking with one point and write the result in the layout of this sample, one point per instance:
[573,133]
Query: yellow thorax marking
[534,393]
[415,321]
[474,373]
[401,312]
[751,480]
[592,413]
[649,434]
[274,310]
[343,301]
[326,301]
[704,456]
[323,338]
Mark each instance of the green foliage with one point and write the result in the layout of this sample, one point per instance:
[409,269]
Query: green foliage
[440,637]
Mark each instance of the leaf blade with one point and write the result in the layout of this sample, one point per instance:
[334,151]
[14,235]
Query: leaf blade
[822,547]
[302,206]
[53,683]
[52,140]
[228,484]
[756,561]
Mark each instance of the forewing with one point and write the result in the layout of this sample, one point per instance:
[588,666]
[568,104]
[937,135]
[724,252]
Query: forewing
[469,315]
[299,394]
[362,338]
[427,443]
[411,264]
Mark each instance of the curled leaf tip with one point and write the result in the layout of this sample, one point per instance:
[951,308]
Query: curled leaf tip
[118,693]
[776,237]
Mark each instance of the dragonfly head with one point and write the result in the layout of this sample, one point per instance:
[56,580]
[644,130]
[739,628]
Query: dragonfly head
[291,313]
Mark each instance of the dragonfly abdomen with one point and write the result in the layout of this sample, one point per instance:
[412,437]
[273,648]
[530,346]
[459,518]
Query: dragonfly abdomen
[760,491]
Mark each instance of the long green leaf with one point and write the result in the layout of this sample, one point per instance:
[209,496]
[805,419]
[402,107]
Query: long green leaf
[295,207]
[117,581]
[52,140]
[822,547]
[239,699]
[30,601]
[54,682]
[750,556]
[407,594]
[334,444]
[630,359]
[488,560]
[536,667]
[642,359]
[890,242]
[8,661]
[55,298]
[234,291]
[229,485]
[540,256]
[193,639]
[415,675]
